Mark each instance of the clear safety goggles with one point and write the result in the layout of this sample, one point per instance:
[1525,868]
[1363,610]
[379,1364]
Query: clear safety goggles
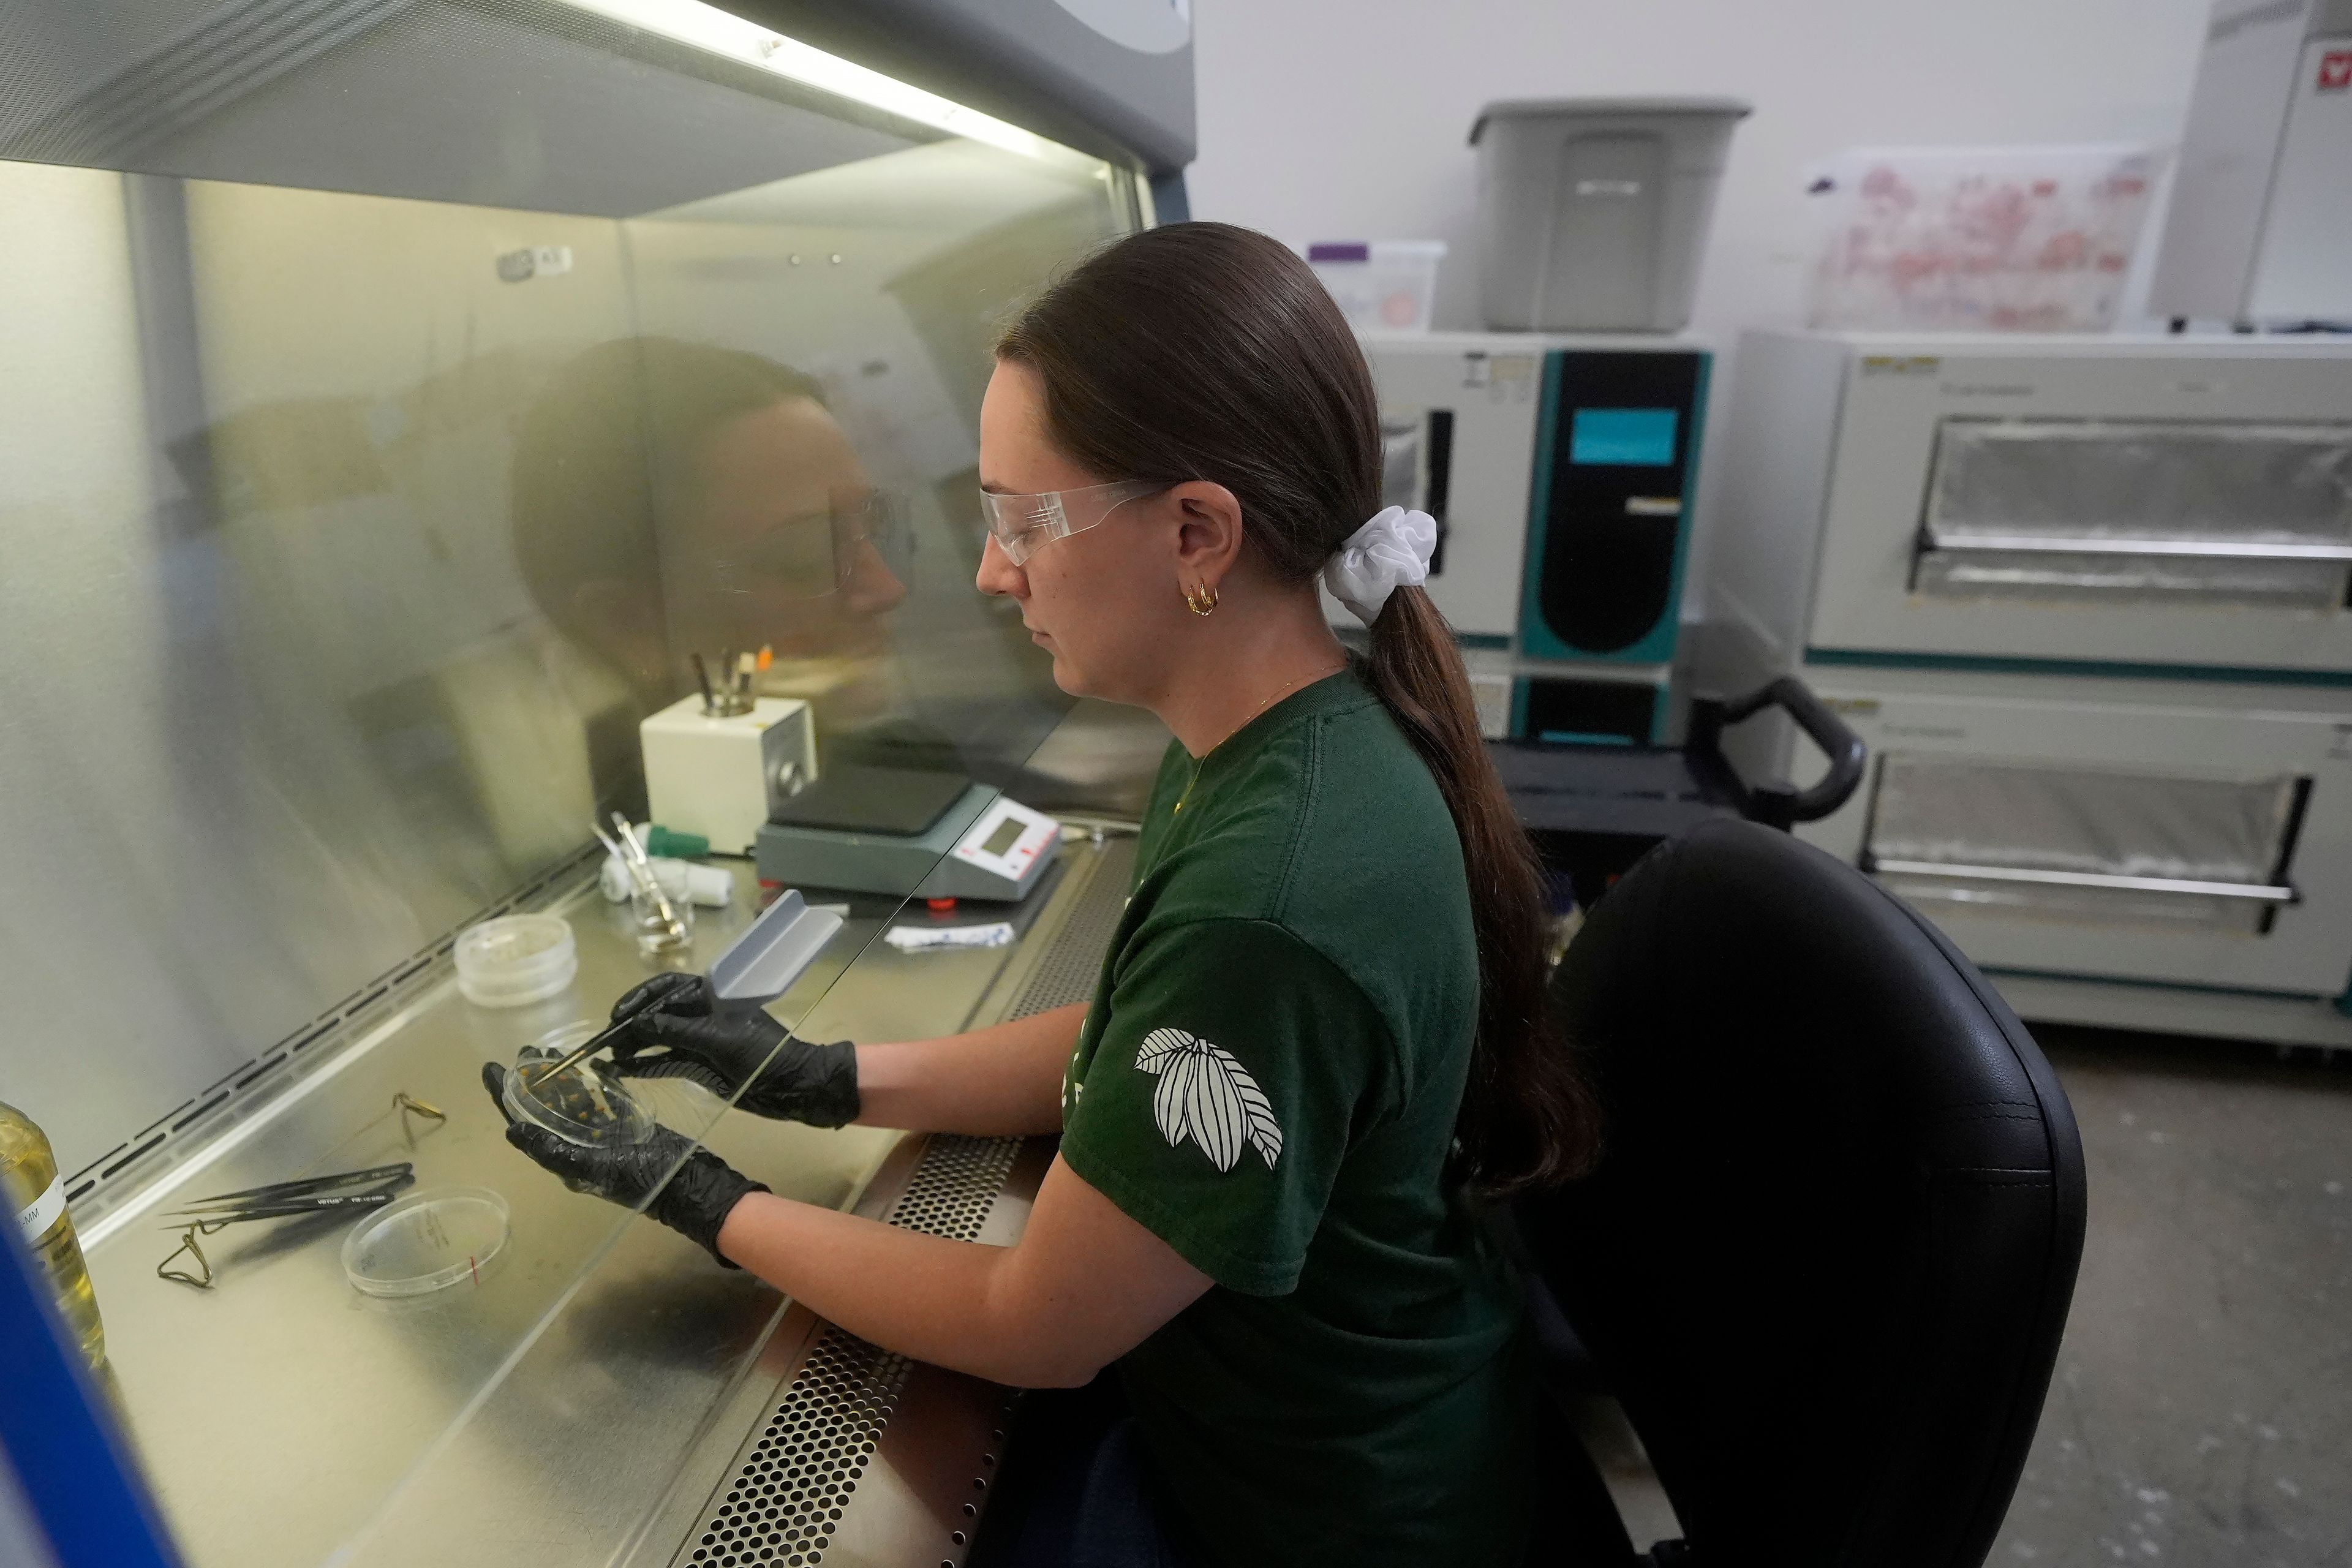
[1022,525]
[816,553]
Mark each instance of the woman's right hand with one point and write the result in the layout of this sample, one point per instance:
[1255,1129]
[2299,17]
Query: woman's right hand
[673,1030]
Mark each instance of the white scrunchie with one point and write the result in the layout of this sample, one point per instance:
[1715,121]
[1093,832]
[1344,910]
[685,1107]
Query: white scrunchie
[1389,553]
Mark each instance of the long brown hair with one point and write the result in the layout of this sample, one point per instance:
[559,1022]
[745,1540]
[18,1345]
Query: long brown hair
[1202,351]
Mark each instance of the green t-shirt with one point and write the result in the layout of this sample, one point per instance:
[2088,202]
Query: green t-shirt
[1267,1079]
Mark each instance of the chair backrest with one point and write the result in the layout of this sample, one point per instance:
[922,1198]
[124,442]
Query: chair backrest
[1827,1256]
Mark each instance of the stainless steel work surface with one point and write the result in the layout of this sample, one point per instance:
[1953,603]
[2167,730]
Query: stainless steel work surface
[543,1411]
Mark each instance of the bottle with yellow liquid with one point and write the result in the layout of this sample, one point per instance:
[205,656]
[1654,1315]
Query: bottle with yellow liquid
[33,1191]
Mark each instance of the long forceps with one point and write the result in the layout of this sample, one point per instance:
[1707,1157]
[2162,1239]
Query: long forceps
[278,1200]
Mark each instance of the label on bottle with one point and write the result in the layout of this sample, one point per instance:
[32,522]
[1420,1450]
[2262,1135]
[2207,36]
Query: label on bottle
[36,1216]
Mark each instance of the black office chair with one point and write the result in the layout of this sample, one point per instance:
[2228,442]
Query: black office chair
[1826,1258]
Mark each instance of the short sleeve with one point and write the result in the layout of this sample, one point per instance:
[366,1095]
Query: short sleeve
[1233,1066]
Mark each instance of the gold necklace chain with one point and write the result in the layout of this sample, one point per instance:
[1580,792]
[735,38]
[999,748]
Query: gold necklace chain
[1203,759]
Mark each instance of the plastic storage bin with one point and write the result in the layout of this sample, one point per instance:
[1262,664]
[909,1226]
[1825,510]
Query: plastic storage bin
[2030,239]
[1594,212]
[1382,285]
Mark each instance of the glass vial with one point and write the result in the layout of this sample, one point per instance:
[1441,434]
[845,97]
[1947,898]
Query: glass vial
[35,1193]
[656,937]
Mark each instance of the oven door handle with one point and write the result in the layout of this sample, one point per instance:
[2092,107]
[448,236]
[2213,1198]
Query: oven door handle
[2202,549]
[2252,893]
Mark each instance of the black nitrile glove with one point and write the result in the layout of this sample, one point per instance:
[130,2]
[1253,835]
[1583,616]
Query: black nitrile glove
[694,1202]
[674,1032]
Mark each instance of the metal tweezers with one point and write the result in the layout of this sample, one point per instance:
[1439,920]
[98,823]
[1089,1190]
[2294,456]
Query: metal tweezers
[278,1200]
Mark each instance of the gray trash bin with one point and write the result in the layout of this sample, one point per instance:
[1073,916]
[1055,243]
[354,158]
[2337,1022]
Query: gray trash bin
[1592,212]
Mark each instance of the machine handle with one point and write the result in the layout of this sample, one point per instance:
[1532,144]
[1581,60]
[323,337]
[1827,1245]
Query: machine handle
[1776,804]
[2259,892]
[2203,548]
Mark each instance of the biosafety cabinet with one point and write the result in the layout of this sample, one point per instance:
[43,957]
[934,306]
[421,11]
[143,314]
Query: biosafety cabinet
[397,396]
[2086,601]
[1561,471]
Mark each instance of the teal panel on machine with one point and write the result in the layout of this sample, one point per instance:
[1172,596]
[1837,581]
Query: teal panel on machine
[1608,544]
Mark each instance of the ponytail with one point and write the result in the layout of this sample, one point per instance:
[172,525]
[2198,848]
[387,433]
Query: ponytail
[1528,1119]
[1202,351]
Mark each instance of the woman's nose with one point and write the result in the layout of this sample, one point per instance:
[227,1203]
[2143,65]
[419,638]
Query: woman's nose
[872,588]
[997,574]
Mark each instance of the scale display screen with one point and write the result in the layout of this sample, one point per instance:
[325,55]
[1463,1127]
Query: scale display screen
[1625,437]
[1008,833]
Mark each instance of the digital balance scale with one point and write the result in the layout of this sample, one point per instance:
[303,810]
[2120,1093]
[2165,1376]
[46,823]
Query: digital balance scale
[905,831]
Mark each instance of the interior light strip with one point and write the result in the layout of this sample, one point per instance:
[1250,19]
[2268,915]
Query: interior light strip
[711,29]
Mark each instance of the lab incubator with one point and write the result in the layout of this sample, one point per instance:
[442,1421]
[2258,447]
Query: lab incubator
[1561,472]
[2086,599]
[402,398]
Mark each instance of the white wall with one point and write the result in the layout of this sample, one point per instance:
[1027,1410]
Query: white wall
[1349,119]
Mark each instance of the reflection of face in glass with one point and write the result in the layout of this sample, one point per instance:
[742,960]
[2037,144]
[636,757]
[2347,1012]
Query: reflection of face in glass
[778,539]
[673,498]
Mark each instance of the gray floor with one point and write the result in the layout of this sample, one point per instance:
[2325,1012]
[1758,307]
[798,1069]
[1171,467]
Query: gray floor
[2201,1413]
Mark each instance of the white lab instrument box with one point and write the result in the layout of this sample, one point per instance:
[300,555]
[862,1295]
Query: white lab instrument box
[2159,503]
[723,775]
[2260,228]
[1560,471]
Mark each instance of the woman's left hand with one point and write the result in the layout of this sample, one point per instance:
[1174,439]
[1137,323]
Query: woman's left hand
[688,1188]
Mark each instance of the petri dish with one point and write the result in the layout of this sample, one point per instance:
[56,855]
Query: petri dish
[516,960]
[431,1239]
[584,1103]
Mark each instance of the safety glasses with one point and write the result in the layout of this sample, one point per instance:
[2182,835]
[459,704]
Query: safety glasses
[1022,525]
[816,553]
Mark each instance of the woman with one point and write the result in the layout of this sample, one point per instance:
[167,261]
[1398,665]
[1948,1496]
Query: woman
[1320,1029]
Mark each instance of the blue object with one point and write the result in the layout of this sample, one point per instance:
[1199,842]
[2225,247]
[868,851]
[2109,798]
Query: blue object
[1171,203]
[71,1463]
[1625,436]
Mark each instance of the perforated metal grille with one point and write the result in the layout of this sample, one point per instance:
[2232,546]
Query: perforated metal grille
[787,1497]
[1068,971]
[786,1500]
[955,1185]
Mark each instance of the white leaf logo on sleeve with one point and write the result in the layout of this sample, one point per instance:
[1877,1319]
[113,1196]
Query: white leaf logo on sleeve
[1205,1095]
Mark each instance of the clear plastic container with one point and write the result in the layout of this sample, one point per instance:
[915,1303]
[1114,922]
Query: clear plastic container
[1382,285]
[428,1241]
[515,960]
[584,1103]
[2029,239]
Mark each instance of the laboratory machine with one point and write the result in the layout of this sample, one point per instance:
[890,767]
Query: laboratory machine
[1562,474]
[905,831]
[2085,601]
[398,396]
[722,773]
[2261,218]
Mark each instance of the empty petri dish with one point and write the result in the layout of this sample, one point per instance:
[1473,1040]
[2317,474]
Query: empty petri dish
[584,1103]
[428,1241]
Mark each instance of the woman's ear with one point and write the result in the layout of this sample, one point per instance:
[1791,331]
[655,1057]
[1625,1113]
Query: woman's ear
[1208,532]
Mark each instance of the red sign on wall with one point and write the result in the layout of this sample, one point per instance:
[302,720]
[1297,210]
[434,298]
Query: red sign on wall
[2335,70]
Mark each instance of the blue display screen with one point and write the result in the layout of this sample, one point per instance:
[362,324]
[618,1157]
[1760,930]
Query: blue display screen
[1622,435]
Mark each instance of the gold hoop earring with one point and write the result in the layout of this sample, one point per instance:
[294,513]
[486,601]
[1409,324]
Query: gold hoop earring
[1201,600]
